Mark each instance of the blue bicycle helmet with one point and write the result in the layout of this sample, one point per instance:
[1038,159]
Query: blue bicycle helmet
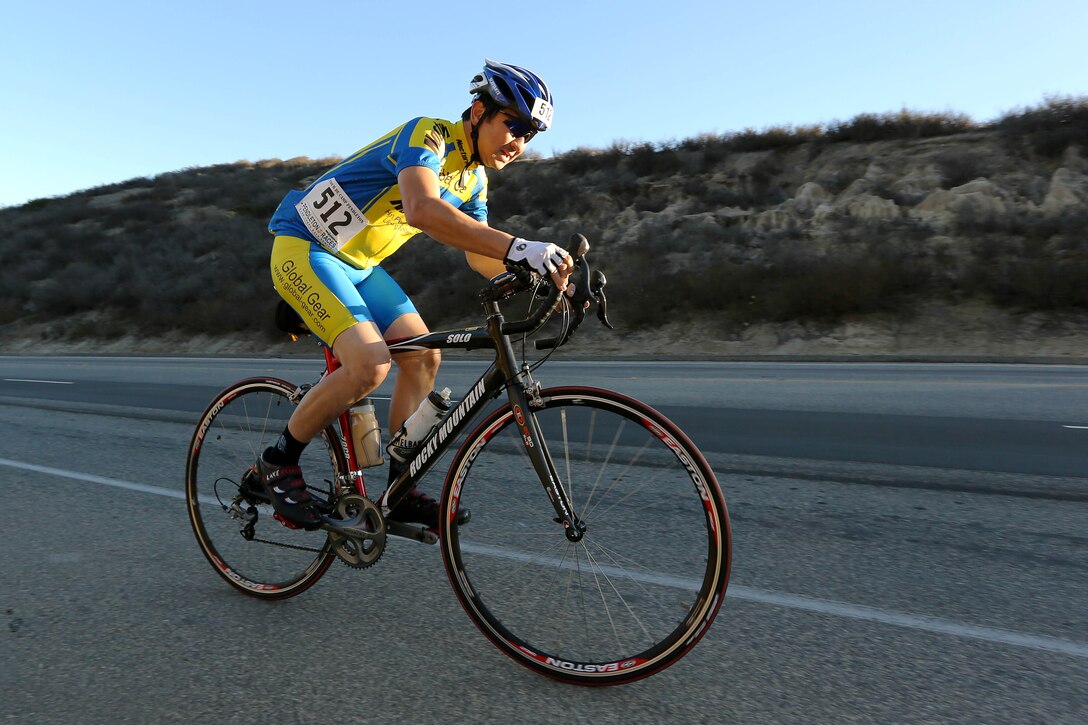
[517,89]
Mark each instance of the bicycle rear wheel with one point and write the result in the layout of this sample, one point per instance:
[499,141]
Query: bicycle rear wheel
[642,586]
[233,522]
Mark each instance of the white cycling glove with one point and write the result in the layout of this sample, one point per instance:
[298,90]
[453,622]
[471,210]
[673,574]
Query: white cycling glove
[539,257]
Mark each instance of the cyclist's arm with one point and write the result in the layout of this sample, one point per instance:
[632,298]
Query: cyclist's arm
[425,210]
[488,267]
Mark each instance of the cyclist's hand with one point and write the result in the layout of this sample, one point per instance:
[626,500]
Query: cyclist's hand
[543,258]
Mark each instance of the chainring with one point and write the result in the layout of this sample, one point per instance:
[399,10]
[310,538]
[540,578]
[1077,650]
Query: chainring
[363,515]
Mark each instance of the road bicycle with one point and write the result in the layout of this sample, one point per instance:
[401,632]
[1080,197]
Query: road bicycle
[598,547]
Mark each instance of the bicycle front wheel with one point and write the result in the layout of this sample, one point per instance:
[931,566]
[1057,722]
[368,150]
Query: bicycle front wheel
[646,580]
[231,517]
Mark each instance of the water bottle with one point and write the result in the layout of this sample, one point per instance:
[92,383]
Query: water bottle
[366,434]
[420,424]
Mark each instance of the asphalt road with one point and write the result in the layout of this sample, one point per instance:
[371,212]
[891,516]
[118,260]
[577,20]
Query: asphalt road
[911,545]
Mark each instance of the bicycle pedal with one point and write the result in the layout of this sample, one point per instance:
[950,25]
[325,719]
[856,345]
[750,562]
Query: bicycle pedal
[411,531]
[285,522]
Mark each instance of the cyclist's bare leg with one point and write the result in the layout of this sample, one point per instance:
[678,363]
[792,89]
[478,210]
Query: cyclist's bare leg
[365,363]
[416,370]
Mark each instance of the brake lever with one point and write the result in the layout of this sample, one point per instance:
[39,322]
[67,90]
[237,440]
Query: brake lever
[596,288]
[592,288]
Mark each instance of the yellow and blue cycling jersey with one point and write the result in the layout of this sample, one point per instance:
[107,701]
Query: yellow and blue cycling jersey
[354,210]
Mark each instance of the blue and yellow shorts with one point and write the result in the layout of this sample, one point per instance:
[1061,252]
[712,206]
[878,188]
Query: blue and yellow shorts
[331,295]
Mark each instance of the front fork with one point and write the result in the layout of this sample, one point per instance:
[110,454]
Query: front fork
[524,397]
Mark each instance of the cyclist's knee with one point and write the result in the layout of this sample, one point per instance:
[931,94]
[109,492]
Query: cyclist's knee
[368,370]
[366,373]
[363,356]
[422,363]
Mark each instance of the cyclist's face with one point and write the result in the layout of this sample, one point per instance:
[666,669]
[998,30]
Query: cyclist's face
[498,144]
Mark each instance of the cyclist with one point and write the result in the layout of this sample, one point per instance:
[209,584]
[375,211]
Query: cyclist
[425,175]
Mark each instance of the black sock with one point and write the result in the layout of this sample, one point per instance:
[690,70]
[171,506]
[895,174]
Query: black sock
[286,452]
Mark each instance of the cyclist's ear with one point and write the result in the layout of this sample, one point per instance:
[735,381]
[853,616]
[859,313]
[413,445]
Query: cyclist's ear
[476,111]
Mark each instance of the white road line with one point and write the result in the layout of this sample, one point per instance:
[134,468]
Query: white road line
[935,625]
[89,478]
[1076,427]
[912,621]
[48,382]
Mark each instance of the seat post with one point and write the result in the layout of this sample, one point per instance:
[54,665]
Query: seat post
[331,362]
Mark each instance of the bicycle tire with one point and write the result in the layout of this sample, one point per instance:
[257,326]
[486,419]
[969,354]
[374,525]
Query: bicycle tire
[643,585]
[277,562]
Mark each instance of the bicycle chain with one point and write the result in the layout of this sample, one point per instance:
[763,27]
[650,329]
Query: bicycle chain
[345,549]
[360,564]
[287,546]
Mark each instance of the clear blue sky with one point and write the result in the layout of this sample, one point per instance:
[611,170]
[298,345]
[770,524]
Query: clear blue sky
[101,92]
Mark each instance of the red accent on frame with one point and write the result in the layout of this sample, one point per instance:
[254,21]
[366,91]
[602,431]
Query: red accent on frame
[331,365]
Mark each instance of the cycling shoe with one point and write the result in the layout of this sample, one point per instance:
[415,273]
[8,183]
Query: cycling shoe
[419,508]
[287,490]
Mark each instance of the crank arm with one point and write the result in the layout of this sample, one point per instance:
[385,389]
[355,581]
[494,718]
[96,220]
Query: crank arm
[411,531]
[358,518]
[340,528]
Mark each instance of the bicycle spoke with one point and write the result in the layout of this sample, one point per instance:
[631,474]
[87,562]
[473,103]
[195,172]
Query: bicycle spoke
[565,606]
[604,603]
[622,599]
[540,559]
[605,462]
[619,477]
[624,564]
[586,636]
[566,457]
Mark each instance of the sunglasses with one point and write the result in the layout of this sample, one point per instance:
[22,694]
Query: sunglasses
[519,127]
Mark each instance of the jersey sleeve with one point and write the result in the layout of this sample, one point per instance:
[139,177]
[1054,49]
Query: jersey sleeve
[422,142]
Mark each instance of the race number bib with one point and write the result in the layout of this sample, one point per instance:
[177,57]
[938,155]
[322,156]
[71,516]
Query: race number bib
[330,215]
[542,111]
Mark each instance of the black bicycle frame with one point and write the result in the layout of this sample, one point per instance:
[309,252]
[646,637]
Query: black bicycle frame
[523,394]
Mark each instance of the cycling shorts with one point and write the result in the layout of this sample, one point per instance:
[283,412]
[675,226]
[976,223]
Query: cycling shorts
[331,295]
